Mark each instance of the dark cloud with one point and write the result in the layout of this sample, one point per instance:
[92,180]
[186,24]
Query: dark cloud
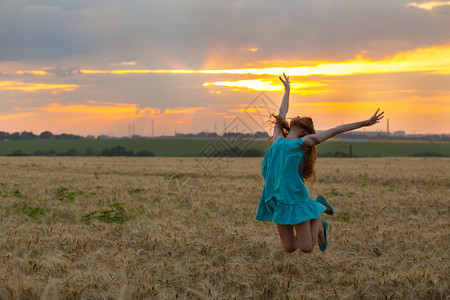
[62,72]
[161,33]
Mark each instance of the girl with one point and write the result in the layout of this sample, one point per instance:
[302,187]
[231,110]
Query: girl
[285,199]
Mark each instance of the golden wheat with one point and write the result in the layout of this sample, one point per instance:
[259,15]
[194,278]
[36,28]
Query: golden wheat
[192,234]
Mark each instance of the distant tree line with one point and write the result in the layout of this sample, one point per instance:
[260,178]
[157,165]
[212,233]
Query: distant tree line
[121,151]
[47,135]
[28,135]
[115,151]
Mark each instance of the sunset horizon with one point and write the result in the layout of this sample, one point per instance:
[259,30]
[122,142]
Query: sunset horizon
[138,75]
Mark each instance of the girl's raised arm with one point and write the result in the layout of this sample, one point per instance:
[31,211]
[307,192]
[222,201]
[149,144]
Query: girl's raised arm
[314,139]
[284,107]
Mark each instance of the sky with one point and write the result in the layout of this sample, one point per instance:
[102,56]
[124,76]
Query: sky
[119,67]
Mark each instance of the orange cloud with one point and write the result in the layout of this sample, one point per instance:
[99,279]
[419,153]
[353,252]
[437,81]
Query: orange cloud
[109,103]
[27,72]
[16,116]
[34,87]
[32,72]
[429,5]
[87,71]
[96,116]
[406,105]
[105,110]
[180,110]
[116,110]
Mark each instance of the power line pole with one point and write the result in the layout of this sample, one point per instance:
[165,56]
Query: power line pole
[388,127]
[152,128]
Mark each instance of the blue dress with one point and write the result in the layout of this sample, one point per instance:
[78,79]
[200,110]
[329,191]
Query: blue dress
[285,198]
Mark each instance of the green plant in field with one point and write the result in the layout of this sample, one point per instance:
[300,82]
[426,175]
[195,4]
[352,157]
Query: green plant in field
[17,193]
[116,214]
[88,217]
[34,212]
[135,191]
[344,216]
[63,193]
[335,192]
[3,195]
[31,212]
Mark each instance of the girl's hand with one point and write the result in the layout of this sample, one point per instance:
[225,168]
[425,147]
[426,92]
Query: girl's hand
[285,82]
[375,118]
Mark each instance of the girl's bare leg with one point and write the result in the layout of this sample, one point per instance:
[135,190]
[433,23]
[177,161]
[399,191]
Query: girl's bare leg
[288,238]
[305,236]
[317,231]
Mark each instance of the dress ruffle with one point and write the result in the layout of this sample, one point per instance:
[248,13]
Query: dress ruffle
[288,214]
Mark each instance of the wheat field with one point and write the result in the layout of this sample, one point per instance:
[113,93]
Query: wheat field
[168,228]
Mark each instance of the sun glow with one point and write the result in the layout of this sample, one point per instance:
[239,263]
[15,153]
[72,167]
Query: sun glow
[182,110]
[116,110]
[435,59]
[32,72]
[88,71]
[106,110]
[303,87]
[16,116]
[34,87]
[429,5]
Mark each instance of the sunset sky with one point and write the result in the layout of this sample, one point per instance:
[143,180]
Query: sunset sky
[99,67]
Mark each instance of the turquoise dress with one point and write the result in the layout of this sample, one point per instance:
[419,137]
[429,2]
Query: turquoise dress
[285,198]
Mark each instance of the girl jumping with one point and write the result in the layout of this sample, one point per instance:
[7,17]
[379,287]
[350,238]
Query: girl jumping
[285,199]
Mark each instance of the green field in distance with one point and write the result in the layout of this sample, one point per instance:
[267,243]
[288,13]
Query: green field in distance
[191,147]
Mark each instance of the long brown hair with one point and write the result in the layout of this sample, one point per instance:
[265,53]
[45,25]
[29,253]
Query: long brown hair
[307,165]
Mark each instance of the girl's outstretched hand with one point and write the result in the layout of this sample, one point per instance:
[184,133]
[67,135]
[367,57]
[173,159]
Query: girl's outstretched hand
[375,118]
[285,81]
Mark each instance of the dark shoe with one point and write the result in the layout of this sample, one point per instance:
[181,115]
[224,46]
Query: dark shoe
[322,200]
